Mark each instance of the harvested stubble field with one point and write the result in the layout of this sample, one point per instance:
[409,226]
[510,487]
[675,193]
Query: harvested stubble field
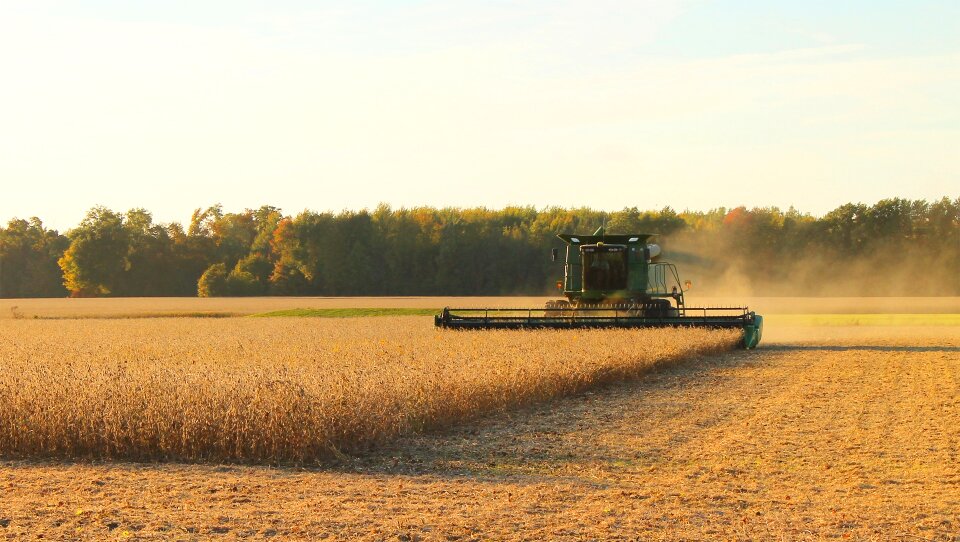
[281,390]
[825,432]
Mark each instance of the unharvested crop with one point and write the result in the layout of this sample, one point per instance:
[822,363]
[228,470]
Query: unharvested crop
[288,390]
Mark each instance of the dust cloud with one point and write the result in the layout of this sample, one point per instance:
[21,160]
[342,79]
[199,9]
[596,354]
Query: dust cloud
[717,269]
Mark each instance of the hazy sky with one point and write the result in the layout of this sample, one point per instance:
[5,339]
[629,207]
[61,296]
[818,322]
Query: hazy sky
[172,105]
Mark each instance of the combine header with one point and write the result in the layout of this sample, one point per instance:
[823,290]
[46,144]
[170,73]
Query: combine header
[612,281]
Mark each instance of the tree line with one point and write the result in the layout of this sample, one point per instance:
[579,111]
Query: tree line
[894,247]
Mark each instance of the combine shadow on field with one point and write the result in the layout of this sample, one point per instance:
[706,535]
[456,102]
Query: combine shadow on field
[868,347]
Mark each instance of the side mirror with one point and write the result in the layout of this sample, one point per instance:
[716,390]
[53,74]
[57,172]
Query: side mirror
[554,254]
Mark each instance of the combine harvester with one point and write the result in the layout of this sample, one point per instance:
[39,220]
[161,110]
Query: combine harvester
[612,281]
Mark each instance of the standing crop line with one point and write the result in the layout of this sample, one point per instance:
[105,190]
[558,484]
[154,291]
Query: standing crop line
[289,390]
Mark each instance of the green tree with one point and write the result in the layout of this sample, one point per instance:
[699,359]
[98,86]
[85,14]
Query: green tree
[213,281]
[250,276]
[97,257]
[28,260]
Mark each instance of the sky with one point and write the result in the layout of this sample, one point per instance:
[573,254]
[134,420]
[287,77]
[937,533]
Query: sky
[173,105]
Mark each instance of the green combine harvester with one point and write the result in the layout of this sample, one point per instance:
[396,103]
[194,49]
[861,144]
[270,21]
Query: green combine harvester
[612,281]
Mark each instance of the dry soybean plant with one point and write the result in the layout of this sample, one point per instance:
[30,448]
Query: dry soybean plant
[288,390]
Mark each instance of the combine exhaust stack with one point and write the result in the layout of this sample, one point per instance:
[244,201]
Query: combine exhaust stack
[612,281]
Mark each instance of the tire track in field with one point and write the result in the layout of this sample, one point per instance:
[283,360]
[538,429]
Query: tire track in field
[808,441]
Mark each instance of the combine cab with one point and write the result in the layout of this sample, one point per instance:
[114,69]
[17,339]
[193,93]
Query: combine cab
[612,281]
